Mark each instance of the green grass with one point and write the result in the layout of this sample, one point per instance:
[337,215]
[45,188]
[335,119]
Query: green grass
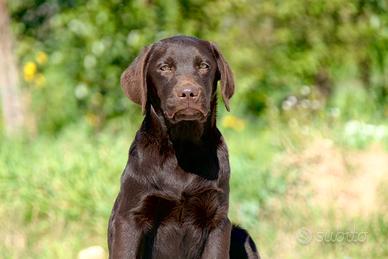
[57,192]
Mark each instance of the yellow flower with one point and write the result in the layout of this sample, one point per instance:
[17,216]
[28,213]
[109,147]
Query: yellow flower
[41,58]
[40,80]
[29,71]
[232,122]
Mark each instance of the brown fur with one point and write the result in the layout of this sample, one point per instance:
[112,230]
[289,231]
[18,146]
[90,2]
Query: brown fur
[174,196]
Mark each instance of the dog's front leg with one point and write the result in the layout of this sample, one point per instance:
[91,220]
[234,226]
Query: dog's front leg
[126,238]
[218,243]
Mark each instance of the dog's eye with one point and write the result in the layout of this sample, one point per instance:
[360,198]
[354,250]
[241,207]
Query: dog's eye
[165,68]
[204,66]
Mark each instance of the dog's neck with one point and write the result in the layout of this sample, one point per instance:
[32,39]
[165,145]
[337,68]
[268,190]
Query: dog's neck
[194,143]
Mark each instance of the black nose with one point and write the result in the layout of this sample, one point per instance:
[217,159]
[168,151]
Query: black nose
[188,92]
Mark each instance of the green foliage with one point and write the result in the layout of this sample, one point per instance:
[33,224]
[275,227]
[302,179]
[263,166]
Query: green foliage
[275,49]
[88,47]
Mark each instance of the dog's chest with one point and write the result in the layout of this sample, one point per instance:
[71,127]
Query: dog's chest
[181,188]
[196,205]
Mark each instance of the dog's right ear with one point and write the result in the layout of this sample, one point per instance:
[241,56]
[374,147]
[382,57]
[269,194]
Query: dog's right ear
[133,79]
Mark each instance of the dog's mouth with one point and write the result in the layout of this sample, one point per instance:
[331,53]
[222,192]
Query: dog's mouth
[187,114]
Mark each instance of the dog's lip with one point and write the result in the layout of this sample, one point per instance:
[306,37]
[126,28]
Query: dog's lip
[188,114]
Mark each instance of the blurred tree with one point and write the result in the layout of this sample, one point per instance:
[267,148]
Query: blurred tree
[280,46]
[276,48]
[88,47]
[12,103]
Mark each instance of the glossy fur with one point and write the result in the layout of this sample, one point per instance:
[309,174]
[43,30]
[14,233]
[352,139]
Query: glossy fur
[174,195]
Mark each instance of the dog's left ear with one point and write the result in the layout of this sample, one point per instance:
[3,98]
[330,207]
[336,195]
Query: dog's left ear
[133,79]
[227,81]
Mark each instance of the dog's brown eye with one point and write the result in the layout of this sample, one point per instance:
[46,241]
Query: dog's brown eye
[204,66]
[165,68]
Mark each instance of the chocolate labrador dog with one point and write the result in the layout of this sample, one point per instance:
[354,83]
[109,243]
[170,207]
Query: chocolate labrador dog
[173,201]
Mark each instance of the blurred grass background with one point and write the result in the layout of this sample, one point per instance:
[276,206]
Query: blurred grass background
[307,135]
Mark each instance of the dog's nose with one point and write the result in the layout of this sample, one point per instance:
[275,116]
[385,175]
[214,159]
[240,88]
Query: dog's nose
[188,92]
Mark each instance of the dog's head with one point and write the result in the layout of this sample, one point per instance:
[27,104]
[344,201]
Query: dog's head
[179,76]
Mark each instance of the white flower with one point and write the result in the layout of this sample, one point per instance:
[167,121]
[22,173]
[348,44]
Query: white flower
[81,91]
[305,90]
